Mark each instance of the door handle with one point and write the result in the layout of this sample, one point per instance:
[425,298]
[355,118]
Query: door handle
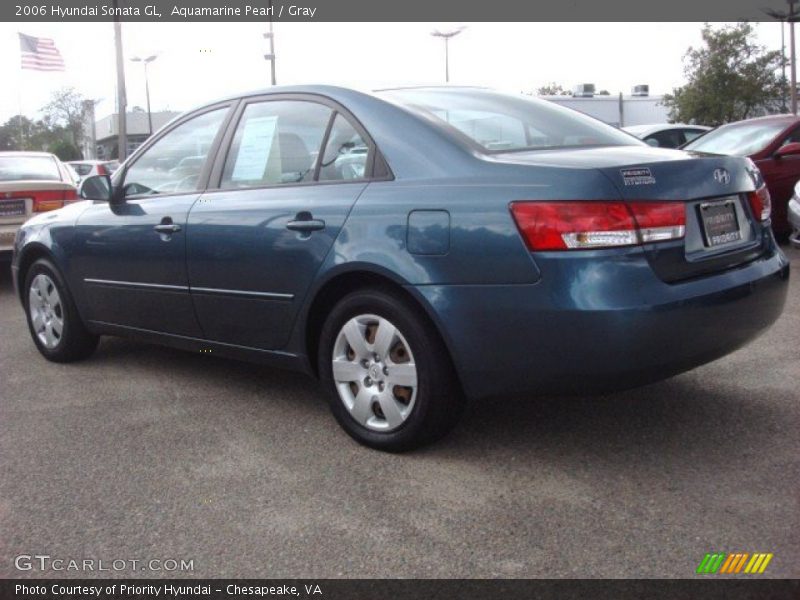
[304,222]
[167,227]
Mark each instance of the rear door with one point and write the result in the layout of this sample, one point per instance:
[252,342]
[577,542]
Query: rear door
[130,256]
[293,168]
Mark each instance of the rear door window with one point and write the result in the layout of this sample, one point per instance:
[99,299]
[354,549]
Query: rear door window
[19,168]
[671,138]
[276,142]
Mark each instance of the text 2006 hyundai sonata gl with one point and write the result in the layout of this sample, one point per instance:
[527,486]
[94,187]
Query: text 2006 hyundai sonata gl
[412,248]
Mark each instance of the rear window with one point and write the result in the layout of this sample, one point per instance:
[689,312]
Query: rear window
[737,139]
[502,123]
[81,168]
[17,168]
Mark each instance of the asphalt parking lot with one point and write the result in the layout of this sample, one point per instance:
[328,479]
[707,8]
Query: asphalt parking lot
[149,453]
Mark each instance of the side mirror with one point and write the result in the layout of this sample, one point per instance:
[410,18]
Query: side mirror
[96,187]
[790,149]
[652,142]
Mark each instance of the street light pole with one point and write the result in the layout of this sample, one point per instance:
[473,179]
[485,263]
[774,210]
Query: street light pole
[270,35]
[793,53]
[446,35]
[783,59]
[122,122]
[146,61]
[790,17]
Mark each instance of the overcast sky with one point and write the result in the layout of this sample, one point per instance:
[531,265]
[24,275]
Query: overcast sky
[202,61]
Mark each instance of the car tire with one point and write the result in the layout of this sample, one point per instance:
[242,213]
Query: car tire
[394,388]
[54,323]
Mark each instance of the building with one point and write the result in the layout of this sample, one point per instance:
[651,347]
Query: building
[106,131]
[640,108]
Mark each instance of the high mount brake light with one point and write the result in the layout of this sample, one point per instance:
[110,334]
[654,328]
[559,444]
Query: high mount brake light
[578,224]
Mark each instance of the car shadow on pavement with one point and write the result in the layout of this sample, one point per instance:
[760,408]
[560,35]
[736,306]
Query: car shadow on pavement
[691,417]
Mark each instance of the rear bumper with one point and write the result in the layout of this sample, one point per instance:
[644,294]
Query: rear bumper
[602,321]
[7,234]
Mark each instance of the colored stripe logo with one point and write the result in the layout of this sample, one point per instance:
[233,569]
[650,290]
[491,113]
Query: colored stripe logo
[737,562]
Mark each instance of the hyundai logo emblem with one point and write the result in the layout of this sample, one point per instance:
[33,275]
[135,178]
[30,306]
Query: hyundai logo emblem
[722,176]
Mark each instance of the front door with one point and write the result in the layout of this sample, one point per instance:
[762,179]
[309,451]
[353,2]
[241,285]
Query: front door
[256,243]
[130,255]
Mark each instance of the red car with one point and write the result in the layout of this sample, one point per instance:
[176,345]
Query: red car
[773,143]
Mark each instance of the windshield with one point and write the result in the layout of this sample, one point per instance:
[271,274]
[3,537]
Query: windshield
[18,168]
[739,139]
[500,122]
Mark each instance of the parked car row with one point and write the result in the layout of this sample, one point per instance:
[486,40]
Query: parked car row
[667,135]
[87,168]
[772,143]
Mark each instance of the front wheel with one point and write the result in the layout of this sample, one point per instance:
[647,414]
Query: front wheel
[391,382]
[53,320]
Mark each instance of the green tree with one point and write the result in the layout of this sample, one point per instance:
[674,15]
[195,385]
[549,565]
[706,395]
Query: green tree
[22,133]
[66,110]
[64,150]
[552,89]
[729,78]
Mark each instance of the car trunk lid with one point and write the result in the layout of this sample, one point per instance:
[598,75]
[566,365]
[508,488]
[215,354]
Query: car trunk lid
[720,231]
[19,200]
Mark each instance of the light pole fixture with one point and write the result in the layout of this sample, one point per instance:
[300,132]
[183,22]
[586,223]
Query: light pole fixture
[446,35]
[270,35]
[146,61]
[790,17]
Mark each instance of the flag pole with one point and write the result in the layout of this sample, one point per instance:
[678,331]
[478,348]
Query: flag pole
[19,101]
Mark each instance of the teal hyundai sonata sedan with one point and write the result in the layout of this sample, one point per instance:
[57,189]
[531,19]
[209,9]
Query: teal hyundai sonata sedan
[411,248]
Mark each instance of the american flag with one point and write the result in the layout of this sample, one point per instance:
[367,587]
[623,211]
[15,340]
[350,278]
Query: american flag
[40,54]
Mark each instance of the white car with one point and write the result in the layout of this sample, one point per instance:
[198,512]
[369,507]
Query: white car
[87,168]
[667,135]
[30,183]
[794,216]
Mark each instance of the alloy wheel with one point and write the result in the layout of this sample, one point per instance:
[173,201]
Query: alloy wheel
[46,311]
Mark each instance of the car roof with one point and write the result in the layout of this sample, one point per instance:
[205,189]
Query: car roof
[643,130]
[336,92]
[27,153]
[786,119]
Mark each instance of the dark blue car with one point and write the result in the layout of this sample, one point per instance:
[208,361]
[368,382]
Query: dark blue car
[412,248]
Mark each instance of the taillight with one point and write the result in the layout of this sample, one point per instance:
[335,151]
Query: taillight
[70,195]
[567,225]
[760,203]
[46,200]
[659,221]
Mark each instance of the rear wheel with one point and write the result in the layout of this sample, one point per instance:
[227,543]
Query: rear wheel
[53,320]
[391,382]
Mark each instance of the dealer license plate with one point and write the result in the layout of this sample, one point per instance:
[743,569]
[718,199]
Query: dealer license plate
[720,223]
